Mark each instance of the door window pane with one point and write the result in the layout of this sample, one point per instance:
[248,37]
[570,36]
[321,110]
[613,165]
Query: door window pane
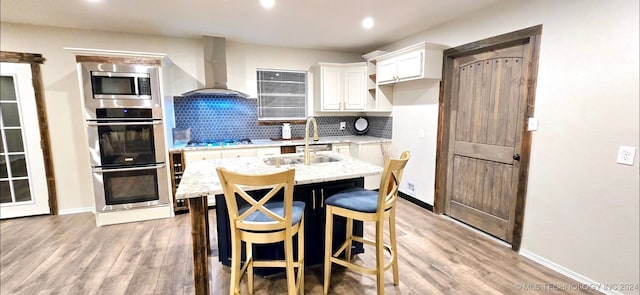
[5,192]
[14,140]
[18,166]
[7,88]
[3,167]
[21,188]
[10,115]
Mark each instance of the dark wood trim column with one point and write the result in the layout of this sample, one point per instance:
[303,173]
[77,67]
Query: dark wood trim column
[199,238]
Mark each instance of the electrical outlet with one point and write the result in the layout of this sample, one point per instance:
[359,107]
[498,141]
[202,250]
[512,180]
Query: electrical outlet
[626,154]
[411,187]
[532,124]
[343,125]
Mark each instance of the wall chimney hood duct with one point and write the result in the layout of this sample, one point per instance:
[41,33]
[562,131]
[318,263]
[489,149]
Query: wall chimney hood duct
[215,70]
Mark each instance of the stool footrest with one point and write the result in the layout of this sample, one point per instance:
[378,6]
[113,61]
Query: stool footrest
[335,259]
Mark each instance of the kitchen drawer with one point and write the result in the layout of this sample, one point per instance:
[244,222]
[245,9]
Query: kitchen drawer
[267,151]
[238,153]
[190,156]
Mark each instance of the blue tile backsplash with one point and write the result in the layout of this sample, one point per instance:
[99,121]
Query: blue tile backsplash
[235,118]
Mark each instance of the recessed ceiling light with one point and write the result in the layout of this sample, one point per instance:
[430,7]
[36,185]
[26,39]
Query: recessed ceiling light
[267,3]
[367,22]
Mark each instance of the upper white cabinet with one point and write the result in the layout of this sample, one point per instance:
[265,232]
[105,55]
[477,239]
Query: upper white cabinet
[414,62]
[342,87]
[378,96]
[385,69]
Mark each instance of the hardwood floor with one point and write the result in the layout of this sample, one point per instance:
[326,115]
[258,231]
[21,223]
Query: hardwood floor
[69,255]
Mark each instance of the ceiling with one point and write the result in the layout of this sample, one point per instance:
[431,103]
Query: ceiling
[318,24]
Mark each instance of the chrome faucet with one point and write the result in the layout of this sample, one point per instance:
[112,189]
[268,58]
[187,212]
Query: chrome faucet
[307,159]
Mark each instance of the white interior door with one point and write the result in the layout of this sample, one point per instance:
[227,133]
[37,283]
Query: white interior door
[23,181]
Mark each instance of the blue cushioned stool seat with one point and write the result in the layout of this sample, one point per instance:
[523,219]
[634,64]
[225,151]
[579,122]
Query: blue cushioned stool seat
[278,208]
[357,199]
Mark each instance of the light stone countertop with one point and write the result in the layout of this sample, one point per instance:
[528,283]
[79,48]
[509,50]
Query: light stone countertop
[358,139]
[200,177]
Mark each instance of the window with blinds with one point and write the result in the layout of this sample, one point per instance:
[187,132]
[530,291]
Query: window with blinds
[282,95]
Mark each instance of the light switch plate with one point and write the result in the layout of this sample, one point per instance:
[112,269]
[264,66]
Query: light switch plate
[421,133]
[626,155]
[532,124]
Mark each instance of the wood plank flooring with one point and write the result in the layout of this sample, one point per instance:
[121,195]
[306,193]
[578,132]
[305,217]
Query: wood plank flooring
[69,255]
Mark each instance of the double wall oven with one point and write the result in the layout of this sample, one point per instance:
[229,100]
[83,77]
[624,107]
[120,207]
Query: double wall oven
[123,112]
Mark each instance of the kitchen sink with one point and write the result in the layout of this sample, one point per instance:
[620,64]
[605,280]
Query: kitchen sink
[323,159]
[284,160]
[298,159]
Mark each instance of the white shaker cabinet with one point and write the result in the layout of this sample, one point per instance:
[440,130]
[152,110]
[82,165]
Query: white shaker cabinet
[370,153]
[331,88]
[410,65]
[386,70]
[414,62]
[343,87]
[341,148]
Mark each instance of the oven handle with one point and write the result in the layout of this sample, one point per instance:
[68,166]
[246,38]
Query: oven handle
[100,170]
[91,123]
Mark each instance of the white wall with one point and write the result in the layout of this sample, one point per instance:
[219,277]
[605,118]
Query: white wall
[415,109]
[582,209]
[62,94]
[243,59]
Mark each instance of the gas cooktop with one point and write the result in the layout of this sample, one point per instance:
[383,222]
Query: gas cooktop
[218,142]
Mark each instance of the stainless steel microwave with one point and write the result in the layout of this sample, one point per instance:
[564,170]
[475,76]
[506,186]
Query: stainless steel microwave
[120,85]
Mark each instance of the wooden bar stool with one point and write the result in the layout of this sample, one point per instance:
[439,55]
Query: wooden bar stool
[263,222]
[366,205]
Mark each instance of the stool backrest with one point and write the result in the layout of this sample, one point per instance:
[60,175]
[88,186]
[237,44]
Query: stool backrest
[235,184]
[390,181]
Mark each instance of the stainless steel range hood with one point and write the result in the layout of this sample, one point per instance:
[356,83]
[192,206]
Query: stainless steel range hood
[215,70]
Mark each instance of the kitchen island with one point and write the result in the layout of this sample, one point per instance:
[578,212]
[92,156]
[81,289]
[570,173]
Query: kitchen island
[201,180]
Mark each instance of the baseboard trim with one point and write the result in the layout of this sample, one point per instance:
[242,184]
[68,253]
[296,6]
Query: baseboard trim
[600,287]
[76,210]
[133,215]
[416,201]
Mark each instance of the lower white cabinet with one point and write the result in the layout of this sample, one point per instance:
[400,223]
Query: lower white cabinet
[370,153]
[230,153]
[341,148]
[238,153]
[267,151]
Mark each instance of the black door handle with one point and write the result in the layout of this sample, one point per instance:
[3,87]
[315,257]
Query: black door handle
[516,157]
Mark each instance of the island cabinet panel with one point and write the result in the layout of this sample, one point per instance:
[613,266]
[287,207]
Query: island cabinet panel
[313,195]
